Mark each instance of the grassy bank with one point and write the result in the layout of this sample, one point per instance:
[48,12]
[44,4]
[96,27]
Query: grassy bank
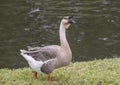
[97,72]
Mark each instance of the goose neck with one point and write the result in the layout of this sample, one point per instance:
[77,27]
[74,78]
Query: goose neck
[62,32]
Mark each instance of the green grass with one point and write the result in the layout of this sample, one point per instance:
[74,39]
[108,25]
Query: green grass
[97,72]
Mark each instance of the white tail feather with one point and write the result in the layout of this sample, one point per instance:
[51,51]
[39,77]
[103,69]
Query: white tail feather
[35,65]
[27,57]
[22,51]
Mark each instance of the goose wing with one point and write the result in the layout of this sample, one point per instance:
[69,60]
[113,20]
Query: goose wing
[33,48]
[42,54]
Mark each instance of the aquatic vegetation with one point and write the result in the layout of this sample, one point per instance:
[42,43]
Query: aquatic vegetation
[97,72]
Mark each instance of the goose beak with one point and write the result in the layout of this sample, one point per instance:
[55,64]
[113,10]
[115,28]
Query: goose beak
[71,20]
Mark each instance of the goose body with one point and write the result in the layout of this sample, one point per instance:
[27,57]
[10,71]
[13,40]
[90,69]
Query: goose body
[46,59]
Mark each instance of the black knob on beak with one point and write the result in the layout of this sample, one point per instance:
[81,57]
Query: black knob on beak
[71,20]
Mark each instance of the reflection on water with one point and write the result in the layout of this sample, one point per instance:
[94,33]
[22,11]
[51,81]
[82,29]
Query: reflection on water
[95,35]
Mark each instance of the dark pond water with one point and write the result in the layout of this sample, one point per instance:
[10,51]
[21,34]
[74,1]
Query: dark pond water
[96,35]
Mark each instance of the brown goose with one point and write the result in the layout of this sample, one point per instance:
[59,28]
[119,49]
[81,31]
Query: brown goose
[46,59]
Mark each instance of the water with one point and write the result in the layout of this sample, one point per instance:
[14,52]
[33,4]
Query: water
[96,35]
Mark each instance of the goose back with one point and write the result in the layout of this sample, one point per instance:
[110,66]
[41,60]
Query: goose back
[43,53]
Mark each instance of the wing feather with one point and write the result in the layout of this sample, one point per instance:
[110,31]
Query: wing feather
[42,54]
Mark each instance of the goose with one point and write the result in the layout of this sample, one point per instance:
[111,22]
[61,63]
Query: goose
[46,59]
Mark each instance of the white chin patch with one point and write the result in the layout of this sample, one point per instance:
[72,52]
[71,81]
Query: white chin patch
[67,26]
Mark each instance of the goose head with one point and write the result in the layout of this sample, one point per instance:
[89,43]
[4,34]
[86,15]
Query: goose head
[67,21]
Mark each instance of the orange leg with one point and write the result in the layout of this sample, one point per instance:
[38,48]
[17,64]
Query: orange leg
[35,75]
[49,79]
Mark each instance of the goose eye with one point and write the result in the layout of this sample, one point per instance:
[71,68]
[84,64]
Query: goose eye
[70,17]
